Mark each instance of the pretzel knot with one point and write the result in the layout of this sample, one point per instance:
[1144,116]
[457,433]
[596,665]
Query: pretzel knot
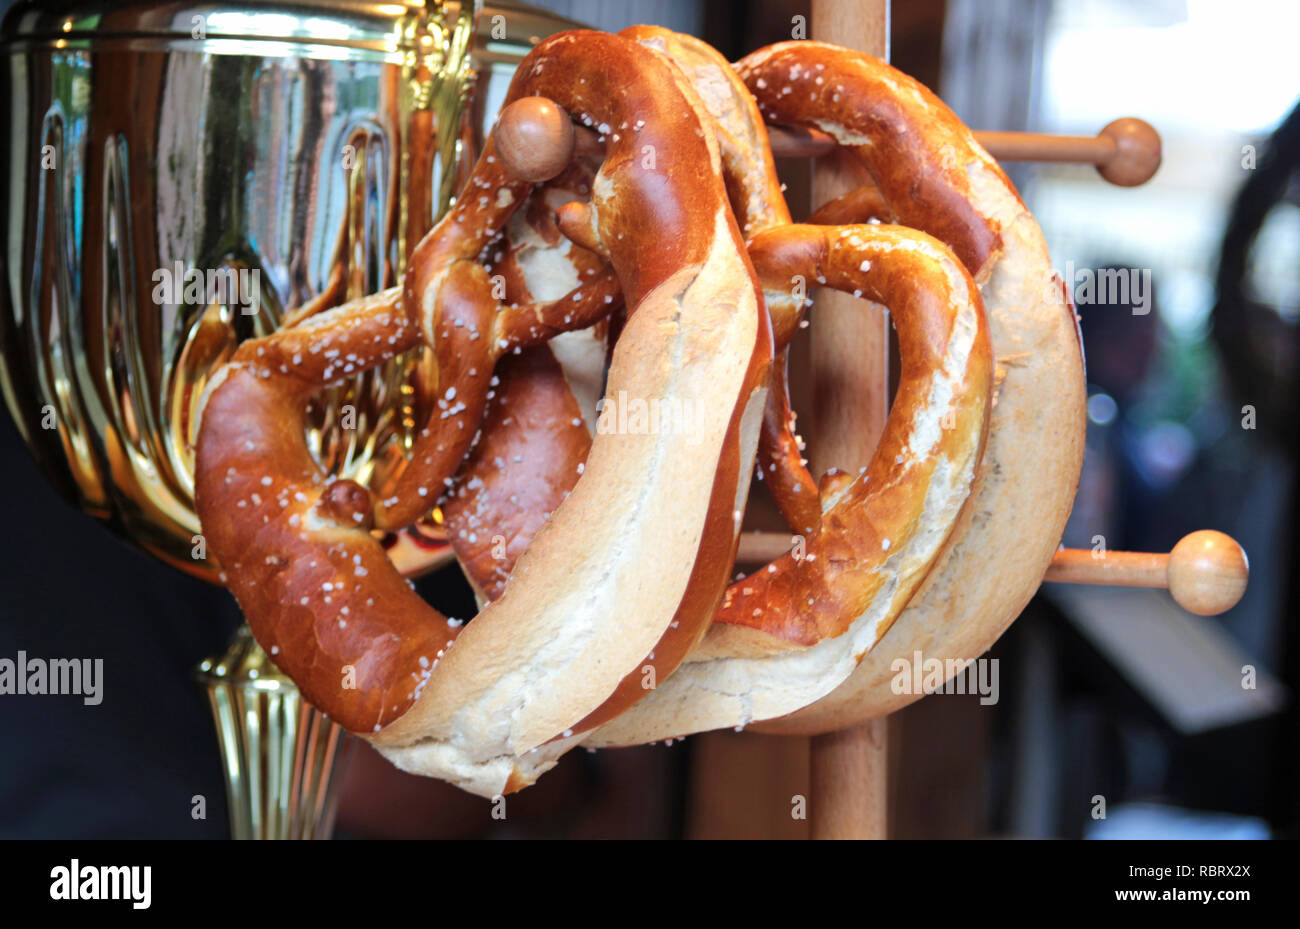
[603,545]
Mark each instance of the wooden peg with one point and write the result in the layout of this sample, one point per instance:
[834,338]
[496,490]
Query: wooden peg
[575,221]
[1137,152]
[1126,152]
[534,139]
[1206,572]
[797,142]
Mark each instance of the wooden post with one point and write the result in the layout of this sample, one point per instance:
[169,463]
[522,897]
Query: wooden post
[850,367]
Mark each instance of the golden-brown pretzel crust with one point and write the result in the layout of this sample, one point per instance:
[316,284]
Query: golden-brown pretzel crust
[868,521]
[527,460]
[564,649]
[319,600]
[535,434]
[759,204]
[544,658]
[931,175]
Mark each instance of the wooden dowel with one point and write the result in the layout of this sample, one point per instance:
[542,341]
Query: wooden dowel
[797,142]
[762,547]
[847,782]
[1114,569]
[794,142]
[1033,146]
[1126,152]
[1206,572]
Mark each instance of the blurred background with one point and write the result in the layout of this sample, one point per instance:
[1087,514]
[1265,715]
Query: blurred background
[1183,726]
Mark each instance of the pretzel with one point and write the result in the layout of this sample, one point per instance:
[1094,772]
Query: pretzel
[447,294]
[537,429]
[880,533]
[789,633]
[930,174]
[614,583]
[554,453]
[610,622]
[759,205]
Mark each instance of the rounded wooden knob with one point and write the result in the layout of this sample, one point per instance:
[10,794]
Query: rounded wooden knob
[1207,572]
[348,504]
[1137,152]
[534,139]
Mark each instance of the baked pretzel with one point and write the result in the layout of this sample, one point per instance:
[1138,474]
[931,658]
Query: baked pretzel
[525,463]
[995,561]
[881,532]
[616,590]
[930,174]
[759,205]
[615,587]
[541,413]
[552,452]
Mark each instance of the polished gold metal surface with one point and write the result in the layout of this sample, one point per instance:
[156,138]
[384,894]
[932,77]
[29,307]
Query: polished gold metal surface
[283,761]
[275,152]
[304,145]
